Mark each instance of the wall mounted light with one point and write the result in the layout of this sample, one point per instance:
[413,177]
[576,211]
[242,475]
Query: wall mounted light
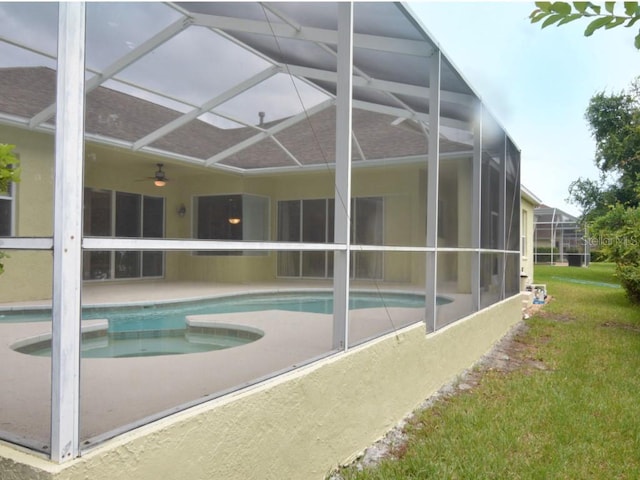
[234,214]
[182,210]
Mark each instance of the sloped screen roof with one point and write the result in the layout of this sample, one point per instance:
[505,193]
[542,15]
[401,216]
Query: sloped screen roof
[235,85]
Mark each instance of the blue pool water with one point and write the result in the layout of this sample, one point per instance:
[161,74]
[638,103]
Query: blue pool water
[171,316]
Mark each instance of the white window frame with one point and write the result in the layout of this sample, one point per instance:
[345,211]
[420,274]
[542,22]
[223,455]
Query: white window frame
[353,233]
[10,197]
[524,241]
[112,277]
[263,237]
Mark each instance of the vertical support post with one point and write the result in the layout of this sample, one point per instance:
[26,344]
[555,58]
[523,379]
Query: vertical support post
[433,180]
[67,234]
[561,255]
[342,229]
[552,235]
[502,223]
[517,208]
[476,194]
[535,239]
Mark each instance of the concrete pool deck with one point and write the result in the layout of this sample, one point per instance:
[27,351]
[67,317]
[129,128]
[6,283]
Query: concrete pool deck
[119,393]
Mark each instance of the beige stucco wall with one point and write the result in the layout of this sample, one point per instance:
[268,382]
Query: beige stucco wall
[296,426]
[28,274]
[526,260]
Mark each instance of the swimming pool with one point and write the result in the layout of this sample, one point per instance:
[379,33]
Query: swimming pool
[161,329]
[100,343]
[167,316]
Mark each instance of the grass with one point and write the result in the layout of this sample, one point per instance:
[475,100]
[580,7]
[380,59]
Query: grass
[578,417]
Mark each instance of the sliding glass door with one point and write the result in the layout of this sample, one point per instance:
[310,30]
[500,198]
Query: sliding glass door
[121,214]
[312,221]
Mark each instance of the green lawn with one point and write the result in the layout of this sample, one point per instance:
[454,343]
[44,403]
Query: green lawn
[578,418]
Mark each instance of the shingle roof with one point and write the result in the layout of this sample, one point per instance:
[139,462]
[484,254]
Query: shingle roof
[24,92]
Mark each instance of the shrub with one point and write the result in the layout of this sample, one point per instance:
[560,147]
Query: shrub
[630,278]
[618,234]
[543,254]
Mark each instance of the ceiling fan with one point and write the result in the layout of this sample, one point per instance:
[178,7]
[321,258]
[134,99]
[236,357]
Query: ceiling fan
[159,178]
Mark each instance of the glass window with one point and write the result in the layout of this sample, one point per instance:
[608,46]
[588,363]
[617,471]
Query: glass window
[6,212]
[231,217]
[128,215]
[523,246]
[121,214]
[218,217]
[367,229]
[97,213]
[289,231]
[314,230]
[153,217]
[312,221]
[308,221]
[97,223]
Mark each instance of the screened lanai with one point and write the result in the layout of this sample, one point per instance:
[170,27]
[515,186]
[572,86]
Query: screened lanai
[559,238]
[267,155]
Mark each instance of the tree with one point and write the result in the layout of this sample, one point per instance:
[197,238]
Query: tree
[614,121]
[9,172]
[612,211]
[561,13]
[590,195]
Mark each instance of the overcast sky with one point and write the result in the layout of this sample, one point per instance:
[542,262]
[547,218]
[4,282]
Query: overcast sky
[536,82]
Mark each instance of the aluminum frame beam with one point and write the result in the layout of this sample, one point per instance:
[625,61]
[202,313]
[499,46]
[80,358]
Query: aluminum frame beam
[67,233]
[311,34]
[476,214]
[342,215]
[206,107]
[119,65]
[433,180]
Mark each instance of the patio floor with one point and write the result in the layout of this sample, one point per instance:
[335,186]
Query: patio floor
[119,393]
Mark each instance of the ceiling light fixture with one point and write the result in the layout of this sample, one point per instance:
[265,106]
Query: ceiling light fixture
[160,179]
[234,214]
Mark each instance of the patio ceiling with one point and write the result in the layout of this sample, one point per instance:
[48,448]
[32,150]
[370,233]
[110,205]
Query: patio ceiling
[237,86]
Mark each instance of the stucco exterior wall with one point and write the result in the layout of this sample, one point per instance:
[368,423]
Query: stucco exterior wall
[296,426]
[28,274]
[526,259]
[114,169]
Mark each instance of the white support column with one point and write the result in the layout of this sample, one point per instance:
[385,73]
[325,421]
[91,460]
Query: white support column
[67,234]
[433,180]
[477,210]
[342,233]
[502,224]
[552,235]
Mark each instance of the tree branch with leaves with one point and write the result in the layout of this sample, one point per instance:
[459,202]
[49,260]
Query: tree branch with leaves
[561,13]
